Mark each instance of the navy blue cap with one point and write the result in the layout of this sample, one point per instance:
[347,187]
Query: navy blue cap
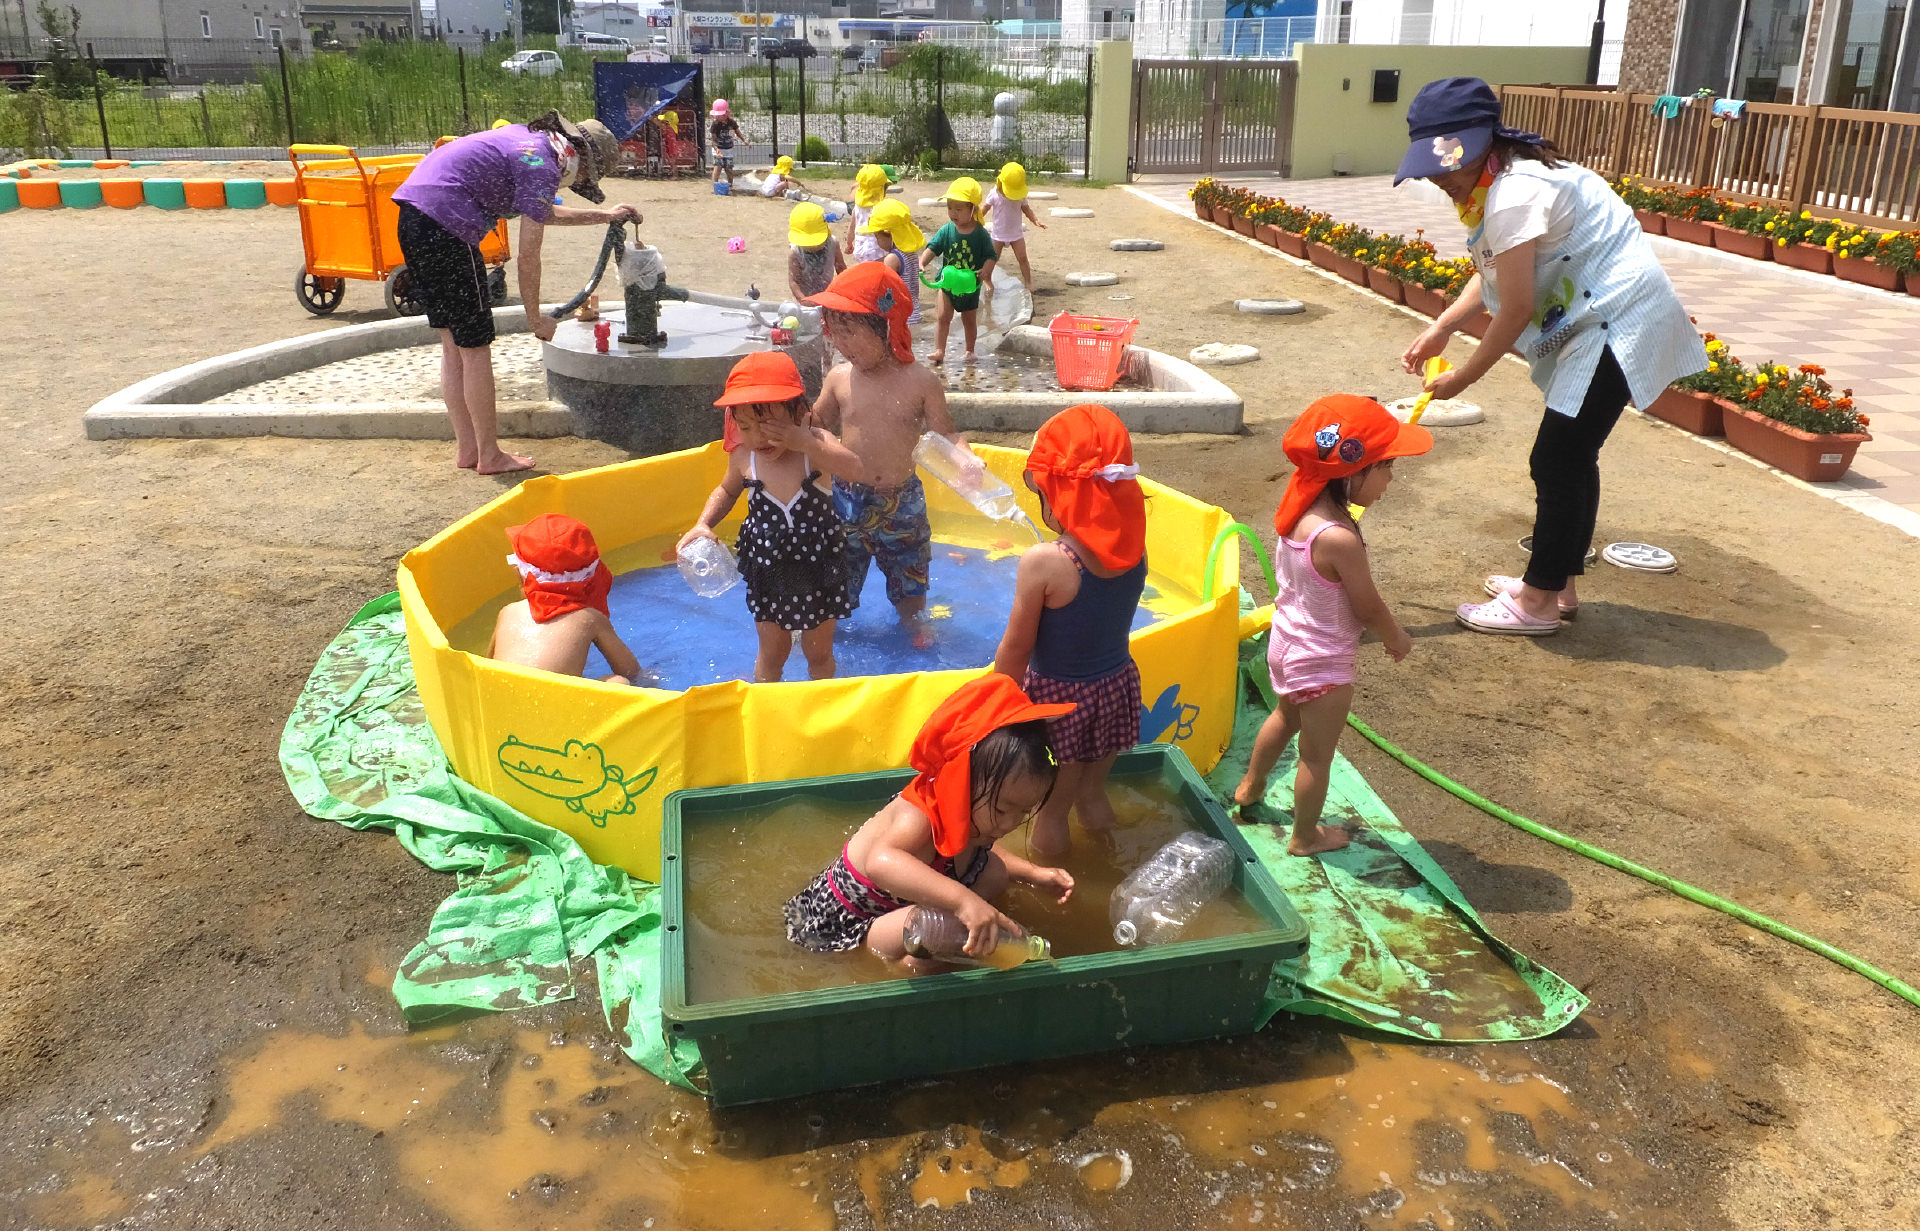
[1450,123]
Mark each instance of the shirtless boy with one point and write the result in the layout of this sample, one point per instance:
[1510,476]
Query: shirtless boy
[564,613]
[878,403]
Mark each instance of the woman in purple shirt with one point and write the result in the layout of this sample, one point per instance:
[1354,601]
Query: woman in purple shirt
[448,204]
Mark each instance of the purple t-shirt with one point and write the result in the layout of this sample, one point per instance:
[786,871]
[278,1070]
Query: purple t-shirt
[468,185]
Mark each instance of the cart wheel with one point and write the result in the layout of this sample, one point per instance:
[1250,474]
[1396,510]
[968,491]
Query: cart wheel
[402,297]
[318,295]
[497,285]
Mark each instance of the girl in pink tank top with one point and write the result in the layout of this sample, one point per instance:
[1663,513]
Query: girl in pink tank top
[1342,449]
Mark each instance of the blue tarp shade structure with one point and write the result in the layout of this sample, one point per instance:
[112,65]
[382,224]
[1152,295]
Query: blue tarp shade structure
[625,96]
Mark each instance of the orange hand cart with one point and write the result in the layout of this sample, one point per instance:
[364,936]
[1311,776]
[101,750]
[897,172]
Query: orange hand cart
[350,228]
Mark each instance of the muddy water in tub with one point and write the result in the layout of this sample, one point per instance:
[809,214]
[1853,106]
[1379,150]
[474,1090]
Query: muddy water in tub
[742,869]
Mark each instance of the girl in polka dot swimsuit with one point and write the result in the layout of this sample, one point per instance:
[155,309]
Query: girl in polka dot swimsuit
[791,552]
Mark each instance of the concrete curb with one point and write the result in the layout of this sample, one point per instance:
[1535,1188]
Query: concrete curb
[1186,399]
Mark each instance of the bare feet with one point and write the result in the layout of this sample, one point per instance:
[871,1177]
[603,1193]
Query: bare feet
[1249,794]
[920,628]
[503,462]
[937,358]
[1325,838]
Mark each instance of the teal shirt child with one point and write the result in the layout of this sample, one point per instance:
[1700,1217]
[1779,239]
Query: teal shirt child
[972,250]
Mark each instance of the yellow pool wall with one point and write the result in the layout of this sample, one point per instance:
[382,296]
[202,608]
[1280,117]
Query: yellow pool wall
[596,760]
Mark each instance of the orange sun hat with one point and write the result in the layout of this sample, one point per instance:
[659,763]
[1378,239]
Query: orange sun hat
[764,376]
[874,290]
[943,752]
[1340,435]
[1082,462]
[559,565]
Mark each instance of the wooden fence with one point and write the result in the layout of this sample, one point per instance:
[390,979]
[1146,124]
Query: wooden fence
[1858,166]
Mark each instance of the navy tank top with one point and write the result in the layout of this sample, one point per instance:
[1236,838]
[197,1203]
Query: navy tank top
[1087,638]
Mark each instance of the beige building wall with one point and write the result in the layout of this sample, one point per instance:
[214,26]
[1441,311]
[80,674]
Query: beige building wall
[1334,123]
[1111,140]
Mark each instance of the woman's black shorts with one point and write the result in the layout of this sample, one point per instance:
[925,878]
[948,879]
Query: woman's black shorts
[449,277]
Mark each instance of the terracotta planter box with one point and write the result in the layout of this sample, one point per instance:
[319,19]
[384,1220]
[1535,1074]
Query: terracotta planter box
[1380,282]
[1698,413]
[1243,226]
[1322,256]
[1296,245]
[1758,247]
[1650,222]
[1689,231]
[1425,299]
[1203,212]
[1866,272]
[1222,216]
[1816,459]
[1804,256]
[1267,234]
[1913,283]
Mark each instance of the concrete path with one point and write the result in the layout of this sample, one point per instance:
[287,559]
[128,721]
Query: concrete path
[1867,340]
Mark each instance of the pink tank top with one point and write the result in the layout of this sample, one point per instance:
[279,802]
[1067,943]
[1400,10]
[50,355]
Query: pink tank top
[1316,636]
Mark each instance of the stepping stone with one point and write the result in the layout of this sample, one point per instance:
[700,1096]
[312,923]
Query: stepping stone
[1066,212]
[1092,279]
[1441,412]
[1043,196]
[1270,307]
[1222,354]
[1136,245]
[932,202]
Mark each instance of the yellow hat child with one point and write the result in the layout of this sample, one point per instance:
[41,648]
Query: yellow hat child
[965,189]
[893,218]
[870,186]
[807,226]
[783,165]
[1012,182]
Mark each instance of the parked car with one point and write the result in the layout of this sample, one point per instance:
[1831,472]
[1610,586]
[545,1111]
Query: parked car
[662,43]
[787,49]
[533,63]
[592,41]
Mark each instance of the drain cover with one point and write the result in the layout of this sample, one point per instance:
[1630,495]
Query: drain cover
[1526,542]
[1641,557]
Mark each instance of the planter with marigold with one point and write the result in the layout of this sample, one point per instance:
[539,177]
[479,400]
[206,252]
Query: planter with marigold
[1793,420]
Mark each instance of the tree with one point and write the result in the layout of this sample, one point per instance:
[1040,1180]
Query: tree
[68,75]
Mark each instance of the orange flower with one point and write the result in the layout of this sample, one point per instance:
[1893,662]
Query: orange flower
[1754,396]
[1813,369]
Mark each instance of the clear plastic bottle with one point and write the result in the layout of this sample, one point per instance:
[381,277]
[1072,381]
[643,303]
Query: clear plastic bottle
[708,567]
[933,933]
[1161,896]
[966,474]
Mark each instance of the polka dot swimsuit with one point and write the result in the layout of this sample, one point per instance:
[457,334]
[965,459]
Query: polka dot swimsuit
[791,555]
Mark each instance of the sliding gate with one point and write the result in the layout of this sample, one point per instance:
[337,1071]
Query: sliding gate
[1203,116]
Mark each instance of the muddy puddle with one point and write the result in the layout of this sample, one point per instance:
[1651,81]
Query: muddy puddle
[742,867]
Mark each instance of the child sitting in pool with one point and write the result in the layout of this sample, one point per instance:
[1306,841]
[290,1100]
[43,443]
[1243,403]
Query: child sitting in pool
[564,613]
[1342,449]
[983,767]
[1073,606]
[880,401]
[789,547]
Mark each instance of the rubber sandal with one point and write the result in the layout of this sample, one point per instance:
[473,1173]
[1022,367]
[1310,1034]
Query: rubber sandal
[1499,583]
[1503,617]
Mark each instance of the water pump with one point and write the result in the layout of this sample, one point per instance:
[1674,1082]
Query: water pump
[643,274]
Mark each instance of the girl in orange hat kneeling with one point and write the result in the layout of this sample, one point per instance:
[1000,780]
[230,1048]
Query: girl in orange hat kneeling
[1073,606]
[983,767]
[1342,449]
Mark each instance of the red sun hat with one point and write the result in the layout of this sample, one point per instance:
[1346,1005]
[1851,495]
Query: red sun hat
[1082,462]
[872,289]
[943,752]
[1340,435]
[559,565]
[764,376]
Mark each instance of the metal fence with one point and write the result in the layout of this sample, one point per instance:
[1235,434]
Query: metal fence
[1859,166]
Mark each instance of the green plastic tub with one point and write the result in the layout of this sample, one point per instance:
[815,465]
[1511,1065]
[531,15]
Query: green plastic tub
[80,194]
[165,194]
[796,1043]
[246,194]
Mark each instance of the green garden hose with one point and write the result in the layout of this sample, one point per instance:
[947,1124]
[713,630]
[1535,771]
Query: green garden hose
[1220,540]
[1689,892]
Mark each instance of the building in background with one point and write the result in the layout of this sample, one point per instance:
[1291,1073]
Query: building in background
[1838,53]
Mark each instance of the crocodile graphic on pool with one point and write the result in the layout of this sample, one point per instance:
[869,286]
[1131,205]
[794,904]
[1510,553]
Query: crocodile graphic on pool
[578,775]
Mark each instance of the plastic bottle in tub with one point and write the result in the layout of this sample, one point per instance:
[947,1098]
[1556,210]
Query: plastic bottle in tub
[933,933]
[708,567]
[1161,896]
[966,474]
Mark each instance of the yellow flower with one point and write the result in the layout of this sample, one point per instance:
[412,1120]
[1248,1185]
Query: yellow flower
[1760,379]
[1769,226]
[1781,242]
[1713,365]
[1361,252]
[1716,346]
[1806,215]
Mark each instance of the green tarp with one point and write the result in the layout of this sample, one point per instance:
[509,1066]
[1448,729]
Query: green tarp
[1394,946]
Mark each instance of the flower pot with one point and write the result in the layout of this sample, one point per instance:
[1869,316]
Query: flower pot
[1322,255]
[1267,234]
[1804,455]
[1380,282]
[1425,300]
[1243,225]
[1740,243]
[1296,245]
[1203,212]
[1350,268]
[1698,413]
[1650,222]
[1913,282]
[1866,271]
[1809,257]
[1222,216]
[1689,230]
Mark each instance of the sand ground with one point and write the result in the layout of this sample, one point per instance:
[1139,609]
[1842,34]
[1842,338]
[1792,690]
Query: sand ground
[193,1028]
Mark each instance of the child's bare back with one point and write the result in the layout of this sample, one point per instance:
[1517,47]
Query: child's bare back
[561,644]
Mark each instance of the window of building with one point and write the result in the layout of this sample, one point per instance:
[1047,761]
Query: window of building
[1343,23]
[206,26]
[259,27]
[1747,49]
[273,34]
[1416,22]
[1862,54]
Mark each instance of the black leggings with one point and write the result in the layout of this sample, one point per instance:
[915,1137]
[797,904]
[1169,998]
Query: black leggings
[1566,478]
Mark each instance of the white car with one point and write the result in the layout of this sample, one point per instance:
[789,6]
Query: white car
[536,63]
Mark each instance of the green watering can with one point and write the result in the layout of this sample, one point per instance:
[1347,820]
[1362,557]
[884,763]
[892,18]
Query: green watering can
[954,281]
